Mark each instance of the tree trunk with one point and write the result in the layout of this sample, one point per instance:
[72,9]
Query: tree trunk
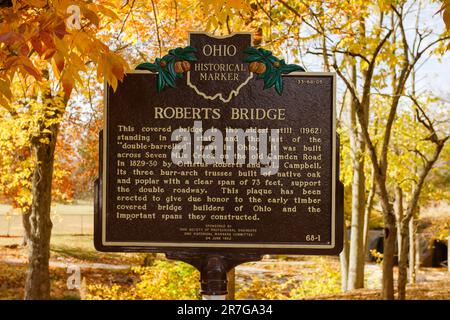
[398,209]
[38,281]
[448,253]
[379,170]
[356,254]
[403,261]
[417,264]
[37,285]
[367,211]
[403,243]
[231,287]
[412,252]
[357,249]
[26,226]
[343,257]
[388,257]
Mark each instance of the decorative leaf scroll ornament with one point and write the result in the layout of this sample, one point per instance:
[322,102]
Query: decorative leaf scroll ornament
[269,68]
[171,66]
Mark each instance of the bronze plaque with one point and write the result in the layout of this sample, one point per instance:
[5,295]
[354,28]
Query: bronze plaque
[218,164]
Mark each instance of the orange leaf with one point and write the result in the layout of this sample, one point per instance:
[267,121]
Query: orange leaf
[91,16]
[25,63]
[49,53]
[117,66]
[118,71]
[446,17]
[11,61]
[67,83]
[60,29]
[5,88]
[107,12]
[444,6]
[59,61]
[10,37]
[47,39]
[24,49]
[33,71]
[37,45]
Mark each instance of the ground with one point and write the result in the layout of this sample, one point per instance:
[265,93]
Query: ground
[115,276]
[437,289]
[275,277]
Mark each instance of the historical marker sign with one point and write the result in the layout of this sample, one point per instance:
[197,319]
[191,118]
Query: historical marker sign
[198,156]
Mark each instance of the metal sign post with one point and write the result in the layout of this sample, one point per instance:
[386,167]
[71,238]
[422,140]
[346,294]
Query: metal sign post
[213,270]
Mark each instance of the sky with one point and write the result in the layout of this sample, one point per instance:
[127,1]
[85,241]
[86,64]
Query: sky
[434,74]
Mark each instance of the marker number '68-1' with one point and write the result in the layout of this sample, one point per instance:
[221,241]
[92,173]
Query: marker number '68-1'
[313,237]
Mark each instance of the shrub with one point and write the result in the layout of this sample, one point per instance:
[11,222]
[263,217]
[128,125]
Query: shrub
[321,280]
[164,280]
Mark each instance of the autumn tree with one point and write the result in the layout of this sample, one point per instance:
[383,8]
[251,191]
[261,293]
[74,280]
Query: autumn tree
[35,41]
[291,26]
[288,27]
[16,163]
[368,46]
[383,56]
[419,140]
[141,31]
